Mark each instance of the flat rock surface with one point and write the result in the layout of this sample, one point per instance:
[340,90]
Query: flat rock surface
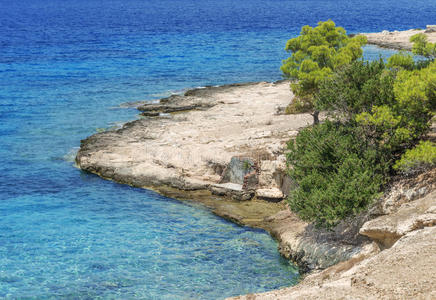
[397,39]
[230,186]
[188,150]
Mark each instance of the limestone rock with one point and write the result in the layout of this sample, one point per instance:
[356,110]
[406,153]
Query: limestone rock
[189,150]
[404,271]
[251,181]
[414,215]
[237,169]
[271,173]
[232,190]
[309,247]
[156,109]
[407,189]
[398,39]
[273,194]
[287,185]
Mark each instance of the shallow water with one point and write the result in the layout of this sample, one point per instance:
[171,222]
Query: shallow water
[65,67]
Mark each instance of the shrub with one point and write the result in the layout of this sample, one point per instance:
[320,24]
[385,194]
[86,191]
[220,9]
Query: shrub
[421,46]
[394,107]
[337,173]
[355,88]
[401,60]
[422,156]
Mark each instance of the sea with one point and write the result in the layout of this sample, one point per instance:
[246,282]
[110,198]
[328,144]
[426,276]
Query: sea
[66,68]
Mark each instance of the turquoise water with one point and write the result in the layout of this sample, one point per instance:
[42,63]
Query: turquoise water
[65,67]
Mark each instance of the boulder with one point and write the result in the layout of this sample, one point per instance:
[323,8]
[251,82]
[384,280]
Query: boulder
[387,229]
[287,185]
[231,190]
[271,173]
[237,169]
[274,194]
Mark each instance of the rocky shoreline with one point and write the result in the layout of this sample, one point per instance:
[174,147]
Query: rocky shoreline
[225,148]
[399,40]
[398,264]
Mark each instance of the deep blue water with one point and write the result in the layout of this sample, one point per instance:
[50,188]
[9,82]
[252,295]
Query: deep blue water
[65,66]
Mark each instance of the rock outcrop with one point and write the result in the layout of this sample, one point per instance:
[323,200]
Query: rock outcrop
[396,261]
[404,271]
[311,248]
[201,140]
[398,39]
[227,142]
[224,147]
[409,205]
[387,229]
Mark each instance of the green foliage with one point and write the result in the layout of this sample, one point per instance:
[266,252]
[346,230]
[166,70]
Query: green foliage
[422,156]
[417,85]
[421,46]
[384,128]
[379,111]
[337,173]
[401,60]
[247,165]
[415,94]
[316,54]
[393,106]
[356,88]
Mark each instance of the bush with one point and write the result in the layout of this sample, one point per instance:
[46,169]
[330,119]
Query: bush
[337,173]
[355,88]
[393,106]
[420,157]
[397,126]
[401,60]
[421,46]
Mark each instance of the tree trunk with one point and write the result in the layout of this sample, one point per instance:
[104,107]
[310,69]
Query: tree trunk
[315,117]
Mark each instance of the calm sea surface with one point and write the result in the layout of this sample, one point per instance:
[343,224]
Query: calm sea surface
[65,66]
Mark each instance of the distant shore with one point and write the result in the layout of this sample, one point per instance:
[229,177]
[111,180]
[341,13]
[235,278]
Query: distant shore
[399,40]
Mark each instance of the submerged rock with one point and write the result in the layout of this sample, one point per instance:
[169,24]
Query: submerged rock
[232,190]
